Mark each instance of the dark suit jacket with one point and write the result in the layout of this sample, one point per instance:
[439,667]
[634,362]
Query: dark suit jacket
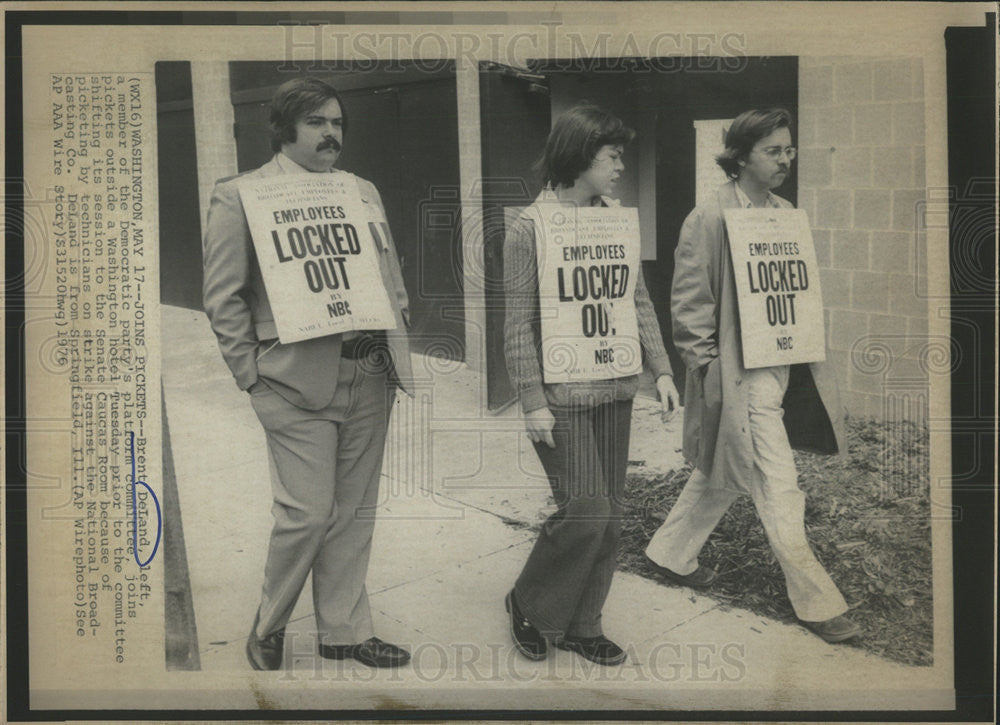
[304,373]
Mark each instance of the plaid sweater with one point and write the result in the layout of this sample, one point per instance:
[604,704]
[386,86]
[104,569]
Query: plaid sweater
[523,338]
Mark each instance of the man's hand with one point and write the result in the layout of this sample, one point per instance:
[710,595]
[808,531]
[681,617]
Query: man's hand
[668,397]
[539,424]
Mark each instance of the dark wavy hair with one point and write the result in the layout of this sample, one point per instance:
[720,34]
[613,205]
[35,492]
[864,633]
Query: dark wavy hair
[296,99]
[746,130]
[576,138]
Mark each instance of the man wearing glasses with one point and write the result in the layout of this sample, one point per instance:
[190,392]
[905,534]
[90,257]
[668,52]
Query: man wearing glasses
[740,425]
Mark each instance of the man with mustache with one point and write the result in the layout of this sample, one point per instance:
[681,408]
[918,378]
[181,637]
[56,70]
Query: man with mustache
[740,425]
[323,403]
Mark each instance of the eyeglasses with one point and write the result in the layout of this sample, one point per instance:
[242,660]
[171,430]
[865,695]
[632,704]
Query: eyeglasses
[775,152]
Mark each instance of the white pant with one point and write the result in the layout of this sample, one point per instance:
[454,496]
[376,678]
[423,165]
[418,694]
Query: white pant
[776,495]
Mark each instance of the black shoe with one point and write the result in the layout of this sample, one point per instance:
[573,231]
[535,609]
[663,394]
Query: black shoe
[264,653]
[527,639]
[698,579]
[372,652]
[598,649]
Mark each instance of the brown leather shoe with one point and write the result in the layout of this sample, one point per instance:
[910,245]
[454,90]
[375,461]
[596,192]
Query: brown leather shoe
[698,579]
[264,653]
[372,652]
[833,630]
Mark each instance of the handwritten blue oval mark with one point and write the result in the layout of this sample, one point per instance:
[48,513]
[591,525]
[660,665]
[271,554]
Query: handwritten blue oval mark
[135,509]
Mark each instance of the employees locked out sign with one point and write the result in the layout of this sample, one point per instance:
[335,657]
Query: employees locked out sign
[777,283]
[317,243]
[588,262]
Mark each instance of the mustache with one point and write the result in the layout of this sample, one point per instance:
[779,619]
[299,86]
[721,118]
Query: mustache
[330,143]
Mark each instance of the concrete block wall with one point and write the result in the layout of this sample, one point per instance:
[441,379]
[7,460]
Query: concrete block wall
[213,127]
[861,179]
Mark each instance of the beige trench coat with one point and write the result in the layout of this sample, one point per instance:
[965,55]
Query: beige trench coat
[706,328]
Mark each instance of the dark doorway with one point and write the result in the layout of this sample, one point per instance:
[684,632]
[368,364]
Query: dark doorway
[403,137]
[514,123]
[180,221]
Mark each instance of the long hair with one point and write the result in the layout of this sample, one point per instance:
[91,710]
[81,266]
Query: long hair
[576,138]
[295,99]
[746,130]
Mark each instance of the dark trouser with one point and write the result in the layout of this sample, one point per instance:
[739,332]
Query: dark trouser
[564,583]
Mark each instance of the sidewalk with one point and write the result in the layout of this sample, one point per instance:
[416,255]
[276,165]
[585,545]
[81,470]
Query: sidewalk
[460,486]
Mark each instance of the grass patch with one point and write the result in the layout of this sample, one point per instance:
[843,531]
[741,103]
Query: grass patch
[867,518]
